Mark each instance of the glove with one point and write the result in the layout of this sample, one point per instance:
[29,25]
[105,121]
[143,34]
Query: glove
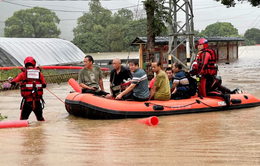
[10,79]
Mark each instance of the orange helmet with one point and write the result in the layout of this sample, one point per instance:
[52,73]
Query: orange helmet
[204,42]
[29,61]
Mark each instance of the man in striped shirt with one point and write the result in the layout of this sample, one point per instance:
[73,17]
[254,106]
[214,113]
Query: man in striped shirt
[180,86]
[138,90]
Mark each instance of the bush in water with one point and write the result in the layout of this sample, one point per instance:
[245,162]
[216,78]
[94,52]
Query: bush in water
[2,117]
[4,74]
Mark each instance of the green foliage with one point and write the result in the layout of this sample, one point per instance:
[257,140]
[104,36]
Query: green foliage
[9,73]
[133,29]
[49,72]
[232,3]
[197,33]
[33,23]
[157,15]
[97,16]
[2,117]
[100,31]
[252,36]
[219,29]
[14,72]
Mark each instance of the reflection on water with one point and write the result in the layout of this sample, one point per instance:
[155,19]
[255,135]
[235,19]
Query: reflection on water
[216,138]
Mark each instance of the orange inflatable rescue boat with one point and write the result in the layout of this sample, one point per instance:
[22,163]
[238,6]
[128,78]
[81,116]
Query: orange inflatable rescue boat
[95,107]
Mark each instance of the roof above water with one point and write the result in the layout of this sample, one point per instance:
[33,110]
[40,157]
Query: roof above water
[46,51]
[165,40]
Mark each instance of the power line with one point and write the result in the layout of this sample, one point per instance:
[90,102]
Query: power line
[19,4]
[232,17]
[253,22]
[208,7]
[65,0]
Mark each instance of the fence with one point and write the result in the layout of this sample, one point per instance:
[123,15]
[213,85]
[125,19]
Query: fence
[59,78]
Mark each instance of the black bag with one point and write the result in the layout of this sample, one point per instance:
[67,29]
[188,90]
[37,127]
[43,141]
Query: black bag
[192,84]
[116,89]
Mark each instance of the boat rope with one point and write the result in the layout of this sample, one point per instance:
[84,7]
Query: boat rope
[199,101]
[56,97]
[180,106]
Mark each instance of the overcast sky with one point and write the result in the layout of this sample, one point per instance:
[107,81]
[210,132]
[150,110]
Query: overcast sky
[206,12]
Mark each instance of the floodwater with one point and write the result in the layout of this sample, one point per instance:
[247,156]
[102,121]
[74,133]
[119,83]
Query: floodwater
[215,138]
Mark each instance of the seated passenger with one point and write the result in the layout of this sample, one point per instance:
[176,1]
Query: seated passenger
[90,78]
[169,73]
[161,87]
[180,85]
[138,90]
[118,76]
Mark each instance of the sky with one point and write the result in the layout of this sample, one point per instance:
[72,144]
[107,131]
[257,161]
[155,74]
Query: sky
[206,12]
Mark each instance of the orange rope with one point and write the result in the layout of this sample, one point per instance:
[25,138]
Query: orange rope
[56,97]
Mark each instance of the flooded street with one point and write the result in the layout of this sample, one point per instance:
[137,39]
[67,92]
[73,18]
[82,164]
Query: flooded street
[202,139]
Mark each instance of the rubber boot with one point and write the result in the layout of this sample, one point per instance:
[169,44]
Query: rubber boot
[227,99]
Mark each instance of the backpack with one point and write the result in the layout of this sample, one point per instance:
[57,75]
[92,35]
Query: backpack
[192,84]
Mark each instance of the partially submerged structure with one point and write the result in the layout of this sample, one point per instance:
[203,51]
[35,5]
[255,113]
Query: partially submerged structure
[46,51]
[226,48]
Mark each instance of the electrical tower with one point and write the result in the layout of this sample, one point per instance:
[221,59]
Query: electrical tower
[181,30]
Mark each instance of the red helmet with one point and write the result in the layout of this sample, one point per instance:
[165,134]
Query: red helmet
[204,42]
[29,61]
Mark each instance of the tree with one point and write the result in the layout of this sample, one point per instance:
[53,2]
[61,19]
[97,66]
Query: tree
[232,3]
[123,16]
[219,29]
[197,33]
[252,36]
[93,26]
[114,37]
[92,41]
[156,15]
[97,16]
[32,23]
[106,32]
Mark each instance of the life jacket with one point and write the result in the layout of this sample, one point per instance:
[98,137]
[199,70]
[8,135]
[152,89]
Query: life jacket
[211,68]
[31,86]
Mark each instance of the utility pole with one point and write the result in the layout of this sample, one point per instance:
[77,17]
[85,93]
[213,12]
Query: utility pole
[181,31]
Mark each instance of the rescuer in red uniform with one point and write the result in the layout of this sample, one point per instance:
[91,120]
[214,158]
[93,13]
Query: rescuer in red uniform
[205,67]
[32,83]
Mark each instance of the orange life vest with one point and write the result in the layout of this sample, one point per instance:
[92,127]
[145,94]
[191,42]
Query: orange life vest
[31,86]
[211,68]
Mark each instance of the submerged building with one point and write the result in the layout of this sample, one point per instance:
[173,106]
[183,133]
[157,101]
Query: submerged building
[226,48]
[46,51]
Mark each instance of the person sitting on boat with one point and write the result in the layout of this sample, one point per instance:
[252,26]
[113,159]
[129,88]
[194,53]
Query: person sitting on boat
[139,84]
[90,78]
[169,73]
[119,75]
[161,87]
[205,68]
[180,85]
[32,83]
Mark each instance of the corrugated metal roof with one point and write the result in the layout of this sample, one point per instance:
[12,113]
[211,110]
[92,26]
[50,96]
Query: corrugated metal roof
[46,51]
[165,40]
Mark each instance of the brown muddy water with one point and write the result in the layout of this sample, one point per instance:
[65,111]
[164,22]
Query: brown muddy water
[216,138]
